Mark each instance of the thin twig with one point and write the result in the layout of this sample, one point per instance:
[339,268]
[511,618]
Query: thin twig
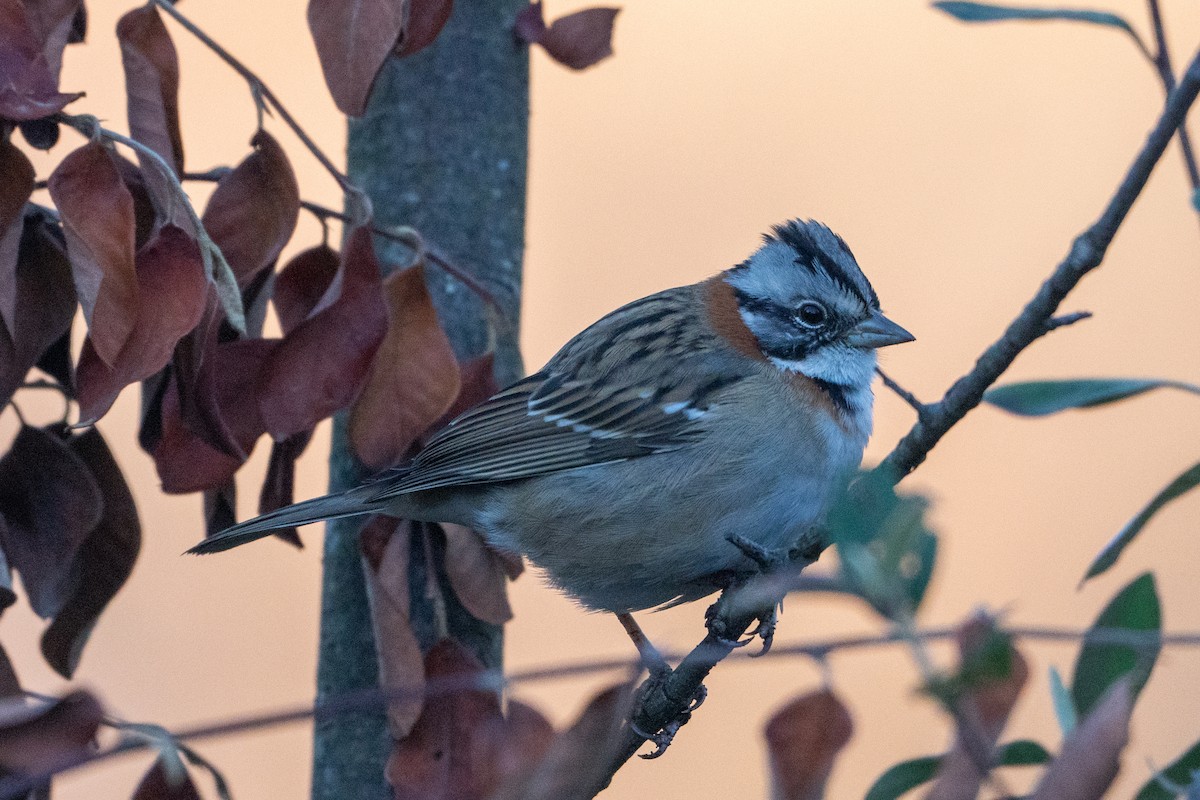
[408,237]
[1054,323]
[356,198]
[215,265]
[901,392]
[1085,255]
[372,698]
[1166,74]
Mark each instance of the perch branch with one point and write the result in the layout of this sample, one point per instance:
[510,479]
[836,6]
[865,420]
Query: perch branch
[1085,255]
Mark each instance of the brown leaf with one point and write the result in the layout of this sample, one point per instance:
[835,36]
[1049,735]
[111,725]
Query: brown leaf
[98,220]
[448,753]
[196,380]
[252,212]
[320,366]
[1091,755]
[278,486]
[44,308]
[354,38]
[53,23]
[804,738]
[151,88]
[301,284]
[157,785]
[185,461]
[982,711]
[9,685]
[424,20]
[385,544]
[51,503]
[36,737]
[7,595]
[576,764]
[29,89]
[413,380]
[477,382]
[576,40]
[220,507]
[173,290]
[477,574]
[104,561]
[15,190]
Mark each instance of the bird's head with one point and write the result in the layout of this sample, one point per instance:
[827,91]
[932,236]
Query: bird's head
[809,306]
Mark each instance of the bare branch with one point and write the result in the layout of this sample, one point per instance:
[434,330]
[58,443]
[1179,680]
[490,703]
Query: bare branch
[1085,255]
[1162,63]
[901,392]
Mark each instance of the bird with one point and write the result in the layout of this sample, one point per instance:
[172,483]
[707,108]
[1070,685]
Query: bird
[646,461]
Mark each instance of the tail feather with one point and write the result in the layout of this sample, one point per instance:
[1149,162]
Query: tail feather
[333,506]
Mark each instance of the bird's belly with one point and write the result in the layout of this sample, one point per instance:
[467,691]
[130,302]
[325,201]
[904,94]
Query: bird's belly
[643,533]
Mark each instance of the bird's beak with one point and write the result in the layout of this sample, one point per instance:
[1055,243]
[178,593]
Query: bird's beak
[877,331]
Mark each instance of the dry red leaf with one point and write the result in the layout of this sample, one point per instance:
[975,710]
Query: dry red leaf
[449,752]
[220,507]
[1091,755]
[173,290]
[98,220]
[30,87]
[157,785]
[36,737]
[9,685]
[354,38]
[575,766]
[301,284]
[279,484]
[45,304]
[196,383]
[576,40]
[477,382]
[151,87]
[477,575]
[982,713]
[385,544]
[253,211]
[413,380]
[320,367]
[804,738]
[424,20]
[104,561]
[53,23]
[15,190]
[185,461]
[51,503]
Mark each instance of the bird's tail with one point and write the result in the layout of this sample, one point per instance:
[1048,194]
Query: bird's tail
[333,506]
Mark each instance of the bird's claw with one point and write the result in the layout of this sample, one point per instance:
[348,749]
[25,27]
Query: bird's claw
[765,630]
[697,700]
[662,740]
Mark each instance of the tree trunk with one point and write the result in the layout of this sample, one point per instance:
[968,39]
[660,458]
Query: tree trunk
[442,147]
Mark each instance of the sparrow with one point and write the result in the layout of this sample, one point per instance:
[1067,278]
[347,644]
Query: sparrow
[632,464]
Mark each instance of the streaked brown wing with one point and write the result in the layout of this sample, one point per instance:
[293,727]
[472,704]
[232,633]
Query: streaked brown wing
[593,404]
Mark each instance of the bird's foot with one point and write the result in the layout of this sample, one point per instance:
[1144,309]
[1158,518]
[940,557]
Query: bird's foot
[663,738]
[765,630]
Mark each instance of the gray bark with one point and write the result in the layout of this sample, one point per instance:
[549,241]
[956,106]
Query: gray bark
[442,147]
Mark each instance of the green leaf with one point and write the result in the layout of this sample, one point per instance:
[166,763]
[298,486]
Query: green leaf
[1183,484]
[903,777]
[1023,753]
[987,12]
[1039,398]
[1179,774]
[1101,663]
[1064,706]
[1196,199]
[885,549]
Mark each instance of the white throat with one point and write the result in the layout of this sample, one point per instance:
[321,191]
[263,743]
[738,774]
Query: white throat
[848,368]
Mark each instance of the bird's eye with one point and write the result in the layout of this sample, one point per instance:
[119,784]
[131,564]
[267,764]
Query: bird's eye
[811,315]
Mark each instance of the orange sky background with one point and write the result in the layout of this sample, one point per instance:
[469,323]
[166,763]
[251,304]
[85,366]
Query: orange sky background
[958,162]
